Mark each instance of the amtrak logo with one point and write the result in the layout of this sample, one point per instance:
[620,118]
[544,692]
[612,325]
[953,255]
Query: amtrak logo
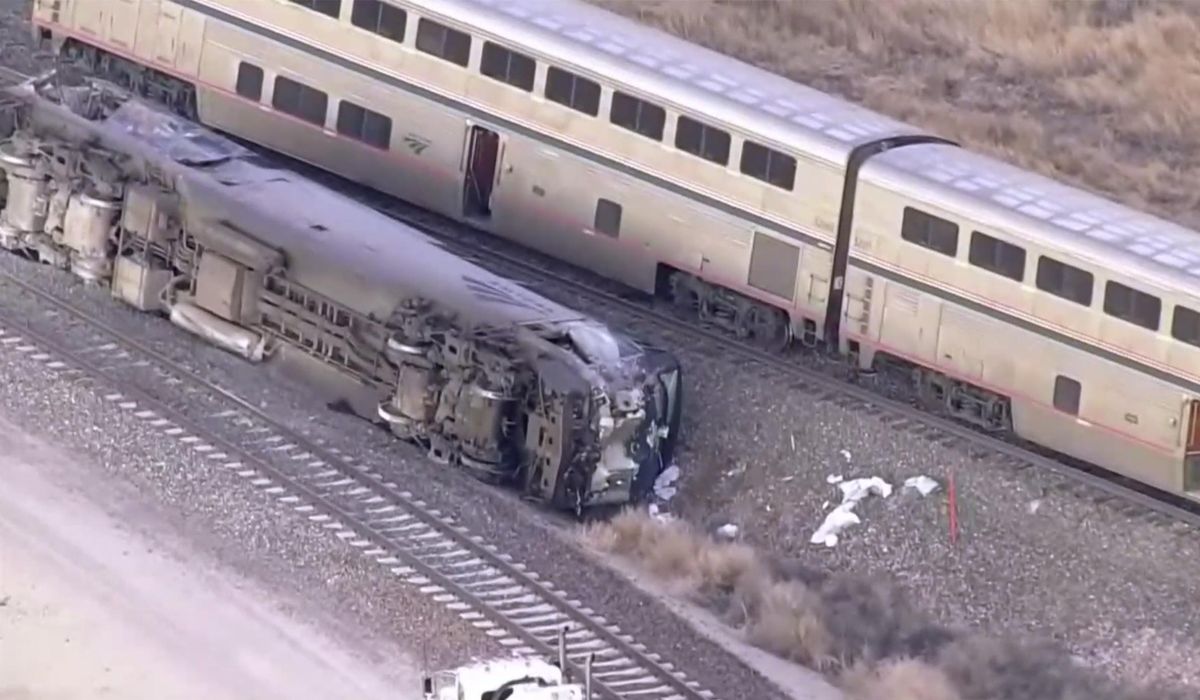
[416,143]
[504,295]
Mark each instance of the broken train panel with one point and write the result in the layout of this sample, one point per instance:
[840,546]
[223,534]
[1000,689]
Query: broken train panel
[263,262]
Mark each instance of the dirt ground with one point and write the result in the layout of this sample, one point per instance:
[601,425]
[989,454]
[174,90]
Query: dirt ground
[1103,94]
[98,599]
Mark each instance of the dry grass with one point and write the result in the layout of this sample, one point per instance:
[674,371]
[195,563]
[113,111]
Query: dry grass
[903,679]
[864,633]
[1100,93]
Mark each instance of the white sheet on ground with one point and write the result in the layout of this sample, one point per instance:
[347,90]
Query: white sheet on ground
[922,483]
[843,515]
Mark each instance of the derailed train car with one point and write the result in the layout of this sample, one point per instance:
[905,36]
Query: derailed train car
[264,262]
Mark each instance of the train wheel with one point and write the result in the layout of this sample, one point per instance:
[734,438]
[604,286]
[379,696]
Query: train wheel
[931,391]
[683,294]
[767,328]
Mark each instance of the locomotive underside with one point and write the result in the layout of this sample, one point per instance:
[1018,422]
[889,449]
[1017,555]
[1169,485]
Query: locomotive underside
[549,408]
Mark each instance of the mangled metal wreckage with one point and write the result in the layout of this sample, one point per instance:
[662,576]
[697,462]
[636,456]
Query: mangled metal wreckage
[266,263]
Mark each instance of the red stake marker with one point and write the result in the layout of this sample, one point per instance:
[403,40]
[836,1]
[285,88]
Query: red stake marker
[952,497]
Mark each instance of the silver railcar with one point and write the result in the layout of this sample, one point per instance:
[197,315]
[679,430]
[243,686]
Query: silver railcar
[488,376]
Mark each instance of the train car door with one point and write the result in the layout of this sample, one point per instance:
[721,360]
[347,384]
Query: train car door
[1191,456]
[122,23]
[483,157]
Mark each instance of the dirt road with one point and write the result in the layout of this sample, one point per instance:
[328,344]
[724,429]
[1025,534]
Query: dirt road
[100,597]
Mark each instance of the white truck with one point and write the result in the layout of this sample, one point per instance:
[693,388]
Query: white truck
[512,679]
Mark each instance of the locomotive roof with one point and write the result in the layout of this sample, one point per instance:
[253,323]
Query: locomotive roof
[1038,208]
[662,67]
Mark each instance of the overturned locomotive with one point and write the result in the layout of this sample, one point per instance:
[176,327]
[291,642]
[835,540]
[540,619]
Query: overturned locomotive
[178,220]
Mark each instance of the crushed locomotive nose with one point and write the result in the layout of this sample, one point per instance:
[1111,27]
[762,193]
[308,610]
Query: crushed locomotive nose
[261,261]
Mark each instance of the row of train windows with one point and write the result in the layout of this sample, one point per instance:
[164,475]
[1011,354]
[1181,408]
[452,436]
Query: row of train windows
[310,105]
[1057,278]
[937,234]
[565,88]
[358,122]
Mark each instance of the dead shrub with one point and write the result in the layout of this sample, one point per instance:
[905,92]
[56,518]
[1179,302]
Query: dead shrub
[721,567]
[670,552]
[901,679]
[866,630]
[989,668]
[791,569]
[869,619]
[743,604]
[621,535]
[787,623]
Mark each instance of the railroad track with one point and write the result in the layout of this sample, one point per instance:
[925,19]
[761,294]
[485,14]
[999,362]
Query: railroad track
[419,545]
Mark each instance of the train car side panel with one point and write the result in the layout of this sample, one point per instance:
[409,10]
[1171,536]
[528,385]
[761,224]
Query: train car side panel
[606,224]
[1113,418]
[810,203]
[423,156]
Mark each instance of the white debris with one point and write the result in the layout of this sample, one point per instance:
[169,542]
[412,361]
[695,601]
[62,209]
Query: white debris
[841,517]
[728,531]
[846,455]
[664,487]
[858,489]
[833,479]
[844,516]
[661,516]
[922,483]
[1034,505]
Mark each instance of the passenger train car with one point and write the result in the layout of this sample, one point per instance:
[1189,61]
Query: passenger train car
[778,212]
[488,376]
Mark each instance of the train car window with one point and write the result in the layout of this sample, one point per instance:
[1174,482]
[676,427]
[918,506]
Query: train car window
[250,81]
[507,66]
[1066,395]
[300,101]
[929,231]
[1128,304]
[361,124]
[638,116]
[1185,326]
[442,41]
[608,218]
[574,91]
[770,166]
[995,255]
[332,8]
[702,140]
[1064,281]
[379,18]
